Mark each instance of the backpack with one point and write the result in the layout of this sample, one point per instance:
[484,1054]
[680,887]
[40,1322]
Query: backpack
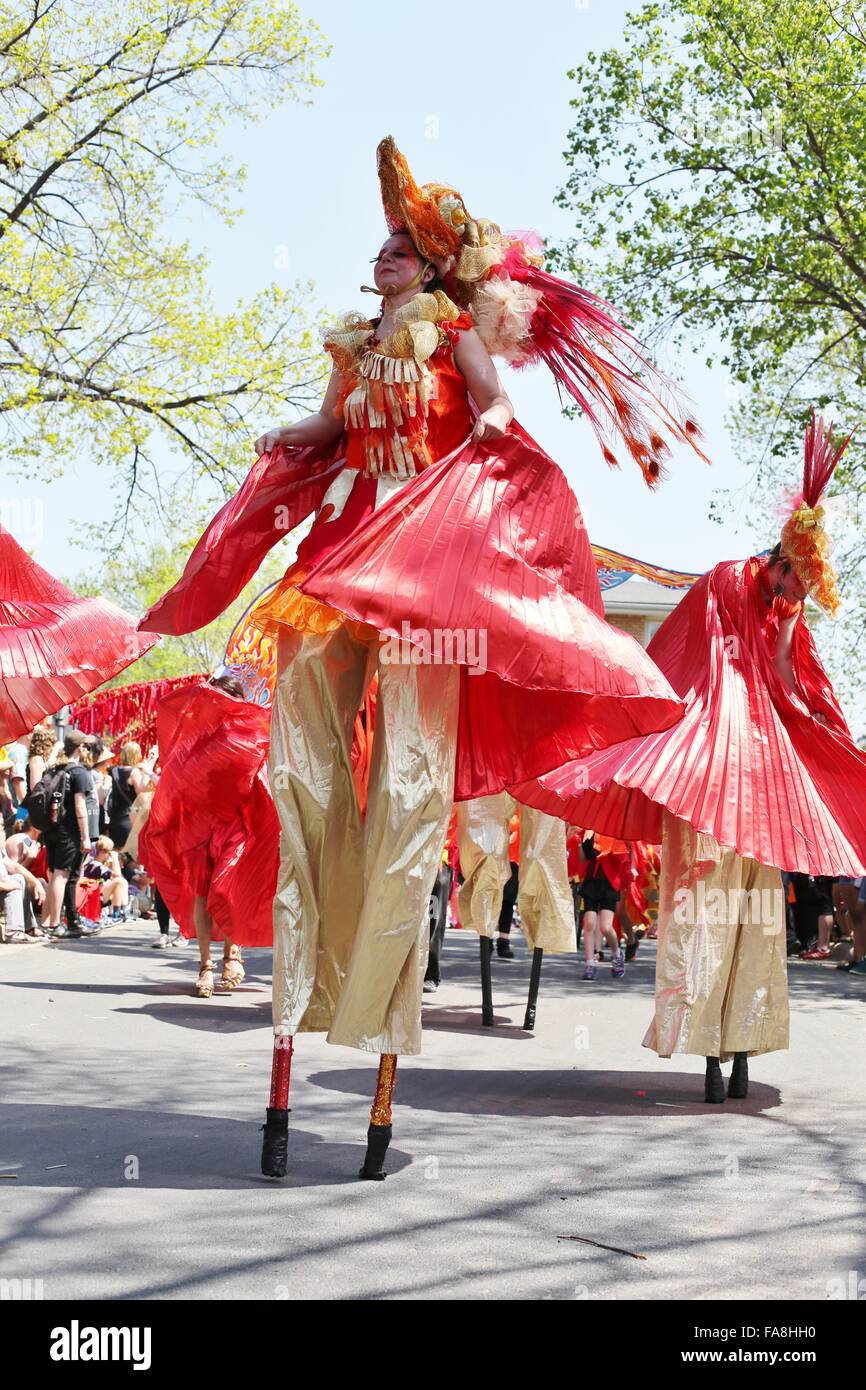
[45,801]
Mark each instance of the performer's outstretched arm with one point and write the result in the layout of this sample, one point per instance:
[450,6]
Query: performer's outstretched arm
[321,428]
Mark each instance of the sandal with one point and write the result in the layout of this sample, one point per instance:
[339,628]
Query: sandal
[233,970]
[204,983]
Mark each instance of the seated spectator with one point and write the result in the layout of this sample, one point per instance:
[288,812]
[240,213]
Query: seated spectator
[11,904]
[103,866]
[25,856]
[140,888]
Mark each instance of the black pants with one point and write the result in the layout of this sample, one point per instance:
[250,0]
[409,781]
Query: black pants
[163,916]
[438,920]
[814,899]
[509,900]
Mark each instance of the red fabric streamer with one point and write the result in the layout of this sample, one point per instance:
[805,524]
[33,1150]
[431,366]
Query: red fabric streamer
[128,711]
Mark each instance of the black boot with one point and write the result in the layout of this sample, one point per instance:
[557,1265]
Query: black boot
[714,1086]
[378,1139]
[503,948]
[738,1086]
[275,1144]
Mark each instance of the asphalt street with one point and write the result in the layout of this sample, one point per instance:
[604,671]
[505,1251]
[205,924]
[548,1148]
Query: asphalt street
[566,1164]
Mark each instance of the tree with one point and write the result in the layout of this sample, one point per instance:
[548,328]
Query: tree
[109,342]
[717,175]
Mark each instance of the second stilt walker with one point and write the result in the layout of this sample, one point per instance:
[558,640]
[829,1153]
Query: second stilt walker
[760,775]
[448,555]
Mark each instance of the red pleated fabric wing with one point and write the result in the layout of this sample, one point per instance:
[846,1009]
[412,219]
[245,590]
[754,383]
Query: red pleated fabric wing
[280,491]
[748,763]
[54,647]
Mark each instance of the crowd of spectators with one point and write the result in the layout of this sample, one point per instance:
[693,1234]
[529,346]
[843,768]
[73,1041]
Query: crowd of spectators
[81,874]
[78,874]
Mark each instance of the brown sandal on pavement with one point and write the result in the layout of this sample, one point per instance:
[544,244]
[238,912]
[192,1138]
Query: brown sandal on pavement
[233,970]
[204,983]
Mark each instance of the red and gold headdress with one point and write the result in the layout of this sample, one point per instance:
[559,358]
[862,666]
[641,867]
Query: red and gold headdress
[804,539]
[525,315]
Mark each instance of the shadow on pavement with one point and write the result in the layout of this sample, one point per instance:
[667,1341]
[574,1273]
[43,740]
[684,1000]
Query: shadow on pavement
[98,1146]
[644,1095]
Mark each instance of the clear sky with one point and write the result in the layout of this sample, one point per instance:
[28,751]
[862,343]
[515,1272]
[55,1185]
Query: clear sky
[476,95]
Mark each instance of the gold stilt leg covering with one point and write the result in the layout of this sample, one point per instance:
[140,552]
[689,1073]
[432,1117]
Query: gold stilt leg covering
[351,930]
[320,684]
[544,898]
[411,793]
[721,968]
[482,842]
[546,905]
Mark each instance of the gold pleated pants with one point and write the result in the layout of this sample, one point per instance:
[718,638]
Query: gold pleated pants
[351,914]
[721,967]
[544,895]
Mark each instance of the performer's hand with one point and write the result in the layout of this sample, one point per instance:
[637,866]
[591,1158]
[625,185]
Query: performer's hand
[266,442]
[490,425]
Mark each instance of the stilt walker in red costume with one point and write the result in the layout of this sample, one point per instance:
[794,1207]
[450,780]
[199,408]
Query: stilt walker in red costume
[447,554]
[760,775]
[211,840]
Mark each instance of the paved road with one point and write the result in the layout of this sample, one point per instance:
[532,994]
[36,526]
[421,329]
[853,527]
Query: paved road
[130,1111]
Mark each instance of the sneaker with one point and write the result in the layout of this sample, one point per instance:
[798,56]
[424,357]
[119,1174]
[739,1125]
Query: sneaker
[430,986]
[589,970]
[819,953]
[57,933]
[617,965]
[858,969]
[161,942]
[503,949]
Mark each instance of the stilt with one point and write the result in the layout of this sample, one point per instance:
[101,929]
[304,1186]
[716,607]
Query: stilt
[486,982]
[714,1082]
[379,1131]
[275,1143]
[738,1086]
[534,977]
